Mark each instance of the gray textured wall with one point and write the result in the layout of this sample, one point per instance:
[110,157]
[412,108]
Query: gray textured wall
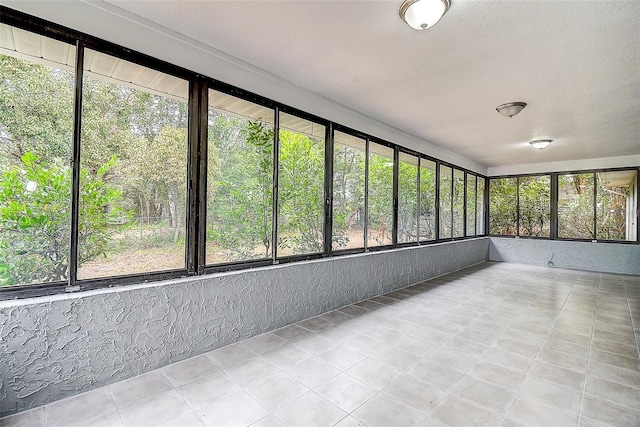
[604,257]
[57,346]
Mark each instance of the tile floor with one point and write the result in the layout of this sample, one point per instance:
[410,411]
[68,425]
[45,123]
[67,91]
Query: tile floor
[495,344]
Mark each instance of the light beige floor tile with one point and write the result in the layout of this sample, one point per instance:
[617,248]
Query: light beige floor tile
[313,372]
[230,355]
[455,412]
[32,418]
[551,394]
[269,421]
[614,392]
[383,411]
[188,370]
[76,409]
[498,375]
[157,410]
[528,412]
[276,390]
[559,375]
[374,373]
[310,409]
[418,394]
[189,420]
[346,392]
[237,409]
[610,412]
[342,357]
[485,394]
[265,343]
[207,389]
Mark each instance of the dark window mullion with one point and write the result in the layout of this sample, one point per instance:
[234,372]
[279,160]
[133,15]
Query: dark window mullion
[595,206]
[276,170]
[328,188]
[419,200]
[517,206]
[366,194]
[437,231]
[396,179]
[75,165]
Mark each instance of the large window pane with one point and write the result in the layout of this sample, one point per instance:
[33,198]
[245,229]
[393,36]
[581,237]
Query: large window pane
[348,192]
[480,207]
[239,181]
[134,169]
[458,203]
[471,205]
[427,200]
[575,206]
[534,195]
[446,188]
[503,206]
[408,199]
[615,205]
[36,139]
[300,186]
[380,222]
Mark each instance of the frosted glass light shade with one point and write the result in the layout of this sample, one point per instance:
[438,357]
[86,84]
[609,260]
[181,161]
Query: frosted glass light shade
[510,109]
[541,143]
[423,14]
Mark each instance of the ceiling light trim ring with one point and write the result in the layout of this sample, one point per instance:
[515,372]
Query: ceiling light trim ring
[407,4]
[511,107]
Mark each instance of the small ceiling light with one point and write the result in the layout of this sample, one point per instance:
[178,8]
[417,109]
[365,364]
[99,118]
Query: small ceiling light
[423,14]
[541,143]
[510,109]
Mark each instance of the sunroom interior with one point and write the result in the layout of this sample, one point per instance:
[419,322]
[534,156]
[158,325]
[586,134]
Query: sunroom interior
[254,213]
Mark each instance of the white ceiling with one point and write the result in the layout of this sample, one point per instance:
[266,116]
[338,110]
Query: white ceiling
[576,63]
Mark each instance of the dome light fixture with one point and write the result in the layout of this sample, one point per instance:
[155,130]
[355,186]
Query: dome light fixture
[510,109]
[541,144]
[423,14]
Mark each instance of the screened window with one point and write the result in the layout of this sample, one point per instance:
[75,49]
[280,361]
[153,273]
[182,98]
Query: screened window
[349,158]
[446,193]
[427,200]
[36,140]
[503,206]
[133,169]
[534,206]
[380,197]
[408,199]
[471,205]
[576,206]
[300,186]
[458,203]
[239,180]
[616,201]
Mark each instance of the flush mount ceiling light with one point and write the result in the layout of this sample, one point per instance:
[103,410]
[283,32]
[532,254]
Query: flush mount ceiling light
[541,143]
[510,109]
[423,14]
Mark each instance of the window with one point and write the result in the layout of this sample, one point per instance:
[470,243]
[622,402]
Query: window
[239,180]
[534,206]
[575,206]
[300,186]
[427,200]
[503,206]
[36,140]
[458,203]
[380,197]
[446,188]
[616,202]
[349,157]
[480,206]
[471,205]
[407,198]
[132,216]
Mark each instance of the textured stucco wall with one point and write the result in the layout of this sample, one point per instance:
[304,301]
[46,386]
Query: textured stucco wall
[603,257]
[57,346]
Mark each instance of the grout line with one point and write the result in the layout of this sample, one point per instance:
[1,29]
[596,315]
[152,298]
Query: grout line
[593,327]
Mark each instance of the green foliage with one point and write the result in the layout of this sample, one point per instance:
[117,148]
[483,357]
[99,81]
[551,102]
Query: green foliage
[380,198]
[408,202]
[300,193]
[534,206]
[241,190]
[503,205]
[348,194]
[427,204]
[35,219]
